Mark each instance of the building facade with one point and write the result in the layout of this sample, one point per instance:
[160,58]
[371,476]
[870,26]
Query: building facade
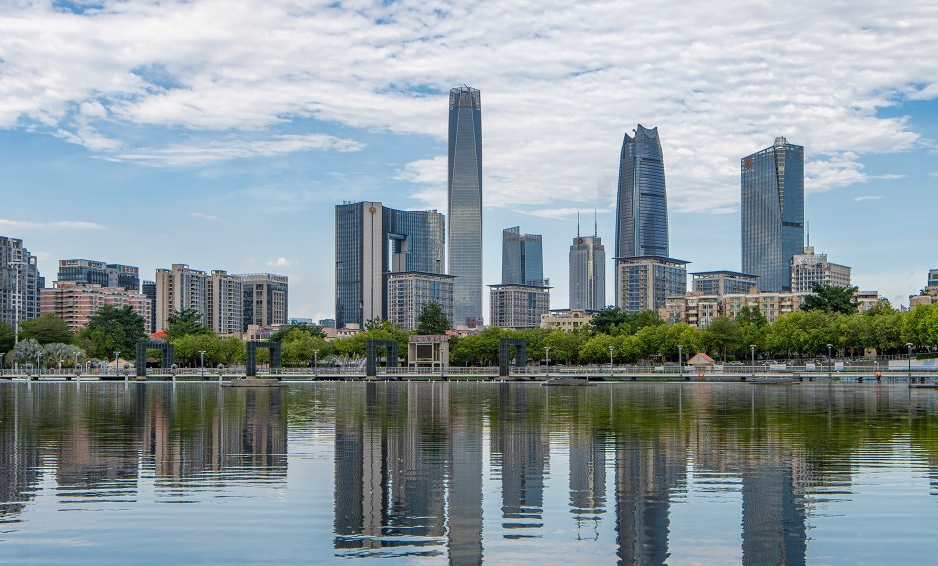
[772,211]
[76,303]
[464,191]
[372,241]
[808,268]
[587,273]
[265,299]
[225,312]
[641,202]
[99,273]
[180,288]
[149,291]
[409,292]
[20,282]
[567,320]
[522,258]
[722,282]
[699,310]
[644,283]
[518,306]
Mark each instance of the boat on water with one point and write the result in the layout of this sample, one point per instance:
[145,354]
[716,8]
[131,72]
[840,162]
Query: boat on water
[566,381]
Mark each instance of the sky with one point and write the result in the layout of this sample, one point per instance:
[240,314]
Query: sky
[221,134]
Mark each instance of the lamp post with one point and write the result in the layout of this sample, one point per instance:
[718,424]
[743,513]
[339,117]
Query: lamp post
[680,361]
[546,361]
[202,364]
[610,361]
[316,363]
[60,366]
[1,365]
[39,365]
[752,352]
[909,346]
[117,365]
[829,346]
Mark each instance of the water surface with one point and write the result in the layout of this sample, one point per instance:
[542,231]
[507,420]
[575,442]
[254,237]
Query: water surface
[468,474]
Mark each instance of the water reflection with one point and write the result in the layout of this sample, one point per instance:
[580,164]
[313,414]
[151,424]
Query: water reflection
[474,473]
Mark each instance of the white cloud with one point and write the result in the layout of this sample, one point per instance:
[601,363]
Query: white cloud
[868,197]
[560,84]
[202,216]
[281,262]
[59,225]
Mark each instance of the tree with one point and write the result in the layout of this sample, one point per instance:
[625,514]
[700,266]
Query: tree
[26,351]
[605,321]
[721,334]
[751,316]
[112,330]
[432,319]
[297,327]
[184,322]
[46,329]
[831,299]
[7,339]
[54,353]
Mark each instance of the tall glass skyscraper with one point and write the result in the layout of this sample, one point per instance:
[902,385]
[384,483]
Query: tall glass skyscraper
[522,258]
[372,241]
[464,185]
[587,272]
[772,211]
[641,204]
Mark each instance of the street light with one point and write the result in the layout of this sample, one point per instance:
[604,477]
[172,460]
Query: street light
[909,346]
[610,360]
[316,363]
[117,367]
[547,361]
[829,346]
[752,351]
[39,365]
[1,365]
[202,364]
[680,360]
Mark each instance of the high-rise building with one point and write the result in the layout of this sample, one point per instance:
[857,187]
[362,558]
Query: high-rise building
[225,312]
[99,273]
[722,282]
[464,188]
[808,268]
[641,203]
[265,299]
[373,240]
[20,282]
[518,306]
[645,283]
[932,278]
[587,272]
[772,211]
[149,291]
[180,288]
[522,258]
[75,303]
[409,292]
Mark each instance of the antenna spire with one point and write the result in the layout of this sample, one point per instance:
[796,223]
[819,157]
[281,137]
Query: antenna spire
[595,224]
[577,223]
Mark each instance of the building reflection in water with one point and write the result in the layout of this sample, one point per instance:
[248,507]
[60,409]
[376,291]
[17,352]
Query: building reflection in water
[587,467]
[774,525]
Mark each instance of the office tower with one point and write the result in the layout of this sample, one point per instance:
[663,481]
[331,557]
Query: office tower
[646,282]
[149,291]
[522,258]
[721,283]
[180,288]
[641,202]
[265,301]
[410,291]
[808,268]
[772,211]
[464,188]
[225,303]
[372,241]
[76,303]
[518,306]
[587,272]
[20,282]
[327,322]
[94,272]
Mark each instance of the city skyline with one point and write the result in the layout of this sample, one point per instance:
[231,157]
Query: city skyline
[187,139]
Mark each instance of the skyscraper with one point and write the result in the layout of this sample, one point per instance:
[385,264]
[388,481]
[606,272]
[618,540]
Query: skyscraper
[522,258]
[464,187]
[265,299]
[772,211]
[99,273]
[180,288]
[641,204]
[371,241]
[20,282]
[587,272]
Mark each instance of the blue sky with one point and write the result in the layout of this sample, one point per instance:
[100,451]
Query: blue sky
[221,135]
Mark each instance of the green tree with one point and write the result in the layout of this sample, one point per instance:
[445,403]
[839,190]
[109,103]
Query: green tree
[7,339]
[46,329]
[831,299]
[297,327]
[185,322]
[722,334]
[432,319]
[26,351]
[112,330]
[54,353]
[751,316]
[606,320]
